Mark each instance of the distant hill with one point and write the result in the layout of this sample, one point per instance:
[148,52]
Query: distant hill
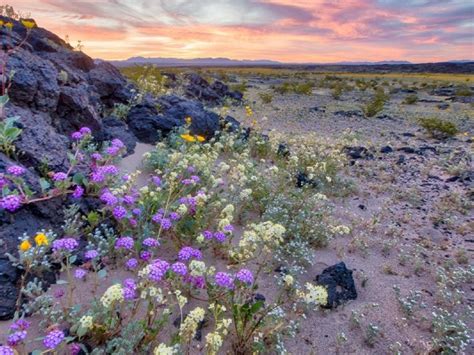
[192,62]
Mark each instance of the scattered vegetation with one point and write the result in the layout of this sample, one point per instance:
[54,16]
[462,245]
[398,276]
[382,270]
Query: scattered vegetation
[438,128]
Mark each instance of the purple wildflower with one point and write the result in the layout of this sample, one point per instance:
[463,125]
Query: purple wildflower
[108,198]
[53,339]
[91,254]
[65,244]
[96,156]
[157,217]
[145,255]
[195,179]
[119,212]
[131,263]
[124,243]
[229,228]
[245,276]
[109,170]
[220,236]
[16,170]
[129,289]
[187,182]
[58,293]
[16,338]
[10,203]
[20,324]
[187,253]
[129,200]
[60,176]
[156,180]
[166,223]
[76,136]
[112,150]
[137,211]
[207,234]
[179,268]
[224,279]
[6,350]
[78,192]
[151,242]
[158,270]
[174,216]
[80,273]
[74,349]
[3,182]
[117,143]
[85,130]
[97,176]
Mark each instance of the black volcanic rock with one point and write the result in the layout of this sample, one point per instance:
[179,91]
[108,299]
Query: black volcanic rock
[339,284]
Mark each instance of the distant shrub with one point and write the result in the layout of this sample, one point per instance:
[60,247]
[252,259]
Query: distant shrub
[410,99]
[463,91]
[295,88]
[337,91]
[266,97]
[438,128]
[241,87]
[376,104]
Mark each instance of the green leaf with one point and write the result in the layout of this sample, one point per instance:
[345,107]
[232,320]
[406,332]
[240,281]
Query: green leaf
[102,273]
[78,178]
[256,307]
[4,100]
[36,352]
[73,259]
[45,185]
[61,282]
[81,331]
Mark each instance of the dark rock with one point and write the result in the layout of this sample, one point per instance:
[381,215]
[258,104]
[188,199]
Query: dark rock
[407,150]
[259,297]
[444,91]
[401,159]
[349,113]
[8,272]
[317,109]
[339,283]
[408,134]
[358,152]
[230,123]
[215,93]
[283,150]
[443,106]
[303,180]
[8,297]
[113,127]
[362,207]
[386,149]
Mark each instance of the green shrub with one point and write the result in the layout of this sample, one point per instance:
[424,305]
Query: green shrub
[337,91]
[463,91]
[438,128]
[411,99]
[295,88]
[266,97]
[241,87]
[8,134]
[376,104]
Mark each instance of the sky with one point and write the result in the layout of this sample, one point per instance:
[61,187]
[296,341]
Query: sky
[284,30]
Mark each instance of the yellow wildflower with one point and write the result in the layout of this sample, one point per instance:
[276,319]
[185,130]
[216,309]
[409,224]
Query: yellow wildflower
[188,120]
[41,239]
[25,245]
[1,22]
[29,24]
[188,138]
[9,25]
[200,138]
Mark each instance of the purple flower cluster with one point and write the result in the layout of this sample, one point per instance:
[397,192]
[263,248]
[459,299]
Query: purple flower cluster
[16,170]
[74,349]
[218,236]
[245,276]
[156,180]
[80,273]
[78,192]
[179,268]
[223,279]
[68,244]
[145,255]
[16,338]
[60,176]
[91,254]
[20,324]
[84,131]
[151,242]
[119,212]
[129,289]
[131,263]
[3,181]
[115,147]
[108,198]
[158,270]
[10,203]
[187,253]
[101,172]
[124,243]
[53,339]
[6,350]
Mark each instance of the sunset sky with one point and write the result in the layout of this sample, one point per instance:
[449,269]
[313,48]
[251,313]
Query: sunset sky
[284,30]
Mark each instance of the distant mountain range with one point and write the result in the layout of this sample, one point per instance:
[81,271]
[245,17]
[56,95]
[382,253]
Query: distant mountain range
[234,62]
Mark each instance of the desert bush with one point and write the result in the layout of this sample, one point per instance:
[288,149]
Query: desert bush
[376,104]
[411,99]
[241,87]
[463,91]
[266,97]
[438,128]
[295,88]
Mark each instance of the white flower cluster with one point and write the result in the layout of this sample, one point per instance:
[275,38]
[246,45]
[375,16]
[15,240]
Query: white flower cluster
[113,294]
[189,326]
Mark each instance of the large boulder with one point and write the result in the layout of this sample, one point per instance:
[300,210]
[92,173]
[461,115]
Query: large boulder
[212,94]
[112,127]
[339,284]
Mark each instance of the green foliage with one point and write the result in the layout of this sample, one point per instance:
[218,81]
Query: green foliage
[266,97]
[438,128]
[241,87]
[295,88]
[463,91]
[411,99]
[377,103]
[8,134]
